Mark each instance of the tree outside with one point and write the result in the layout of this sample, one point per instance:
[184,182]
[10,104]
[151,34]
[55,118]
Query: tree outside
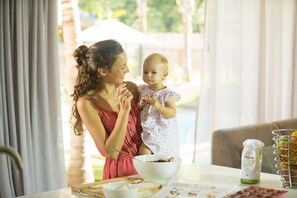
[78,171]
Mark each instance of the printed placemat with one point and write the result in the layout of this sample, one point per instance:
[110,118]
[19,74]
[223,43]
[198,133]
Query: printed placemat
[198,190]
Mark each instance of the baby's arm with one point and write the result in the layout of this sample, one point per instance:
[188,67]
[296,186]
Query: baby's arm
[142,100]
[144,150]
[168,110]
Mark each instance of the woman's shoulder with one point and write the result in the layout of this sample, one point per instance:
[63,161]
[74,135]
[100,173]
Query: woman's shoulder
[84,102]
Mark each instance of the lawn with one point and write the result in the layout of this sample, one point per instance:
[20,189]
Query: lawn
[97,166]
[97,170]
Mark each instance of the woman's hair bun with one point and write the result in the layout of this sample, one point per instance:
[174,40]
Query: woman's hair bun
[80,54]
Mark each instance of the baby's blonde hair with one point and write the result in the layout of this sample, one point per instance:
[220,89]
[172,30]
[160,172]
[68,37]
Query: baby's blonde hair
[161,58]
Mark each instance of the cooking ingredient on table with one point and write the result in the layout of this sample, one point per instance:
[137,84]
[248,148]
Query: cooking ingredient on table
[251,161]
[257,191]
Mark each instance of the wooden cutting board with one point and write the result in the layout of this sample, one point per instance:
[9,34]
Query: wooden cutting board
[95,188]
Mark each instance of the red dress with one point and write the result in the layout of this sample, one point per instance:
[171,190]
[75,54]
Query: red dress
[123,166]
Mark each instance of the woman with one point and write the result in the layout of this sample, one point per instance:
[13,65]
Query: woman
[106,105]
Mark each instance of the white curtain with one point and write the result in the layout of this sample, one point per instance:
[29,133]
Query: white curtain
[249,72]
[30,116]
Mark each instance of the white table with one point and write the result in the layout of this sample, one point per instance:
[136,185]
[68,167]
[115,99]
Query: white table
[201,173]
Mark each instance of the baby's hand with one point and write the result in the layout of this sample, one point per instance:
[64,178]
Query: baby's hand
[154,102]
[145,99]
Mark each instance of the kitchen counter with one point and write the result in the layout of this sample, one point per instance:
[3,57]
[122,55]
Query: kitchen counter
[200,173]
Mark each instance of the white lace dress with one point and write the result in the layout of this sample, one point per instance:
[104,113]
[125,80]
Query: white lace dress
[159,134]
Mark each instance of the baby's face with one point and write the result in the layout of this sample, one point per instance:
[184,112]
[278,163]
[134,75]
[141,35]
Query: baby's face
[153,73]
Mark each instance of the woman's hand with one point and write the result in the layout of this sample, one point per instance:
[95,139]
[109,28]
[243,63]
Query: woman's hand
[125,97]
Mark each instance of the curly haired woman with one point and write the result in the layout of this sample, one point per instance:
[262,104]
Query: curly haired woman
[106,105]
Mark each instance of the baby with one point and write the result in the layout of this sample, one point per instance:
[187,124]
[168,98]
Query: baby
[158,111]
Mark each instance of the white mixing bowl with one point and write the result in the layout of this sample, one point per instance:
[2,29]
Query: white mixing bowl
[148,167]
[119,190]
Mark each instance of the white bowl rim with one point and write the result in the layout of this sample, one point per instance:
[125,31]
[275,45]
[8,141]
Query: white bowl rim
[156,157]
[114,186]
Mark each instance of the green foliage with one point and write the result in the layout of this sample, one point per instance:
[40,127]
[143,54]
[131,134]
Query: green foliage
[97,7]
[130,17]
[165,16]
[124,10]
[198,17]
[162,16]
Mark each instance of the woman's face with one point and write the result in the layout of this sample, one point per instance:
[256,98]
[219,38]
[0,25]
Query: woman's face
[118,69]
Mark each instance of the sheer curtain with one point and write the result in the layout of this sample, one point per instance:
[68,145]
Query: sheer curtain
[30,115]
[249,72]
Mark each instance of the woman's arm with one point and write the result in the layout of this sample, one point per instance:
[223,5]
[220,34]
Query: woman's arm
[93,123]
